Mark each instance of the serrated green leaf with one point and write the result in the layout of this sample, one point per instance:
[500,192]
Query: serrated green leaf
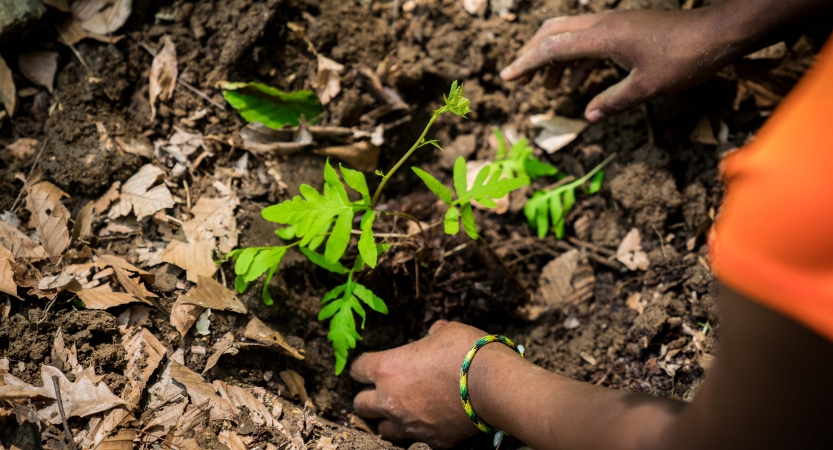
[340,237]
[595,184]
[493,188]
[367,246]
[252,262]
[460,173]
[319,260]
[358,264]
[286,233]
[372,300]
[260,103]
[521,160]
[333,294]
[356,181]
[434,184]
[468,220]
[534,169]
[451,224]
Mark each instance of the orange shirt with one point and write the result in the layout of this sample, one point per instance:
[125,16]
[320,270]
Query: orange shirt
[773,239]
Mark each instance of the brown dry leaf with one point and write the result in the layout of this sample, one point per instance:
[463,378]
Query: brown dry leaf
[70,33]
[105,298]
[327,84]
[213,218]
[133,286]
[22,148]
[81,398]
[634,302]
[184,316]
[39,67]
[168,399]
[262,140]
[556,131]
[233,441]
[201,392]
[225,346]
[123,440]
[326,443]
[103,261]
[84,222]
[20,245]
[363,156]
[112,194]
[259,332]
[211,294]
[475,7]
[130,317]
[774,51]
[238,397]
[144,353]
[50,216]
[703,133]
[7,283]
[108,16]
[630,252]
[8,93]
[61,353]
[163,73]
[555,284]
[295,383]
[139,196]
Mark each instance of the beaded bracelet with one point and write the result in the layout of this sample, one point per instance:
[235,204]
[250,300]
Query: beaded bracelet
[464,389]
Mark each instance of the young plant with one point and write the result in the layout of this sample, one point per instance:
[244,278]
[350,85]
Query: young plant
[315,217]
[521,160]
[547,209]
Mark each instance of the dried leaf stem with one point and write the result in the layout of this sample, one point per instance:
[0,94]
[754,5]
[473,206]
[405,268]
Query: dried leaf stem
[67,430]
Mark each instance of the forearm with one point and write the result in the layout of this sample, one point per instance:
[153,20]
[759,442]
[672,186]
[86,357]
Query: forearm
[548,411]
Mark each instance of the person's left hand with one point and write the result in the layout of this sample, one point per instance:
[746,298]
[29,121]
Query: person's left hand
[417,387]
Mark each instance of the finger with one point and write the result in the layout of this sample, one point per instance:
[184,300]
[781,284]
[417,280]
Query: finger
[364,368]
[621,96]
[392,431]
[581,71]
[524,80]
[558,25]
[554,74]
[366,405]
[561,47]
[436,326]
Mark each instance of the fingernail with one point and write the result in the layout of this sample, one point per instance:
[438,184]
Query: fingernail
[595,115]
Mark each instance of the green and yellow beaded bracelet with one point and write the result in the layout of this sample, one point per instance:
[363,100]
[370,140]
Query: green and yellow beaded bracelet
[464,389]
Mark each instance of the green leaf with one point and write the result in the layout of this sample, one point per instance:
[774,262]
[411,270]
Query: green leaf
[468,220]
[358,264]
[434,184]
[372,300]
[356,181]
[260,103]
[367,246]
[484,190]
[265,295]
[252,262]
[460,173]
[456,102]
[314,214]
[521,160]
[319,260]
[286,233]
[557,214]
[240,284]
[534,168]
[595,183]
[452,220]
[501,144]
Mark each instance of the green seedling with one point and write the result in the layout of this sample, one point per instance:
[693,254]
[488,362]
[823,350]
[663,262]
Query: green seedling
[520,161]
[547,209]
[314,218]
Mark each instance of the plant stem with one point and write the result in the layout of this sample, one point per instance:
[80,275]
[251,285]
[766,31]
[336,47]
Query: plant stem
[416,145]
[590,174]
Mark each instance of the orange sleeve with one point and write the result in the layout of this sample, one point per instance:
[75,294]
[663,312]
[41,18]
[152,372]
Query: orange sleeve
[773,239]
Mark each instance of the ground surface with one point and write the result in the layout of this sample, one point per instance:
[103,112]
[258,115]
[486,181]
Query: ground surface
[650,330]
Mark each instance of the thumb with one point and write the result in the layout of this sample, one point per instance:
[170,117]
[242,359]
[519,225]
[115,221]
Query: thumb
[620,97]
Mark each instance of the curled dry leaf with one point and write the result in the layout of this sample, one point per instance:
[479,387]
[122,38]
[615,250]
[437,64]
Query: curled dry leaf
[39,67]
[7,283]
[556,131]
[630,252]
[144,353]
[262,140]
[22,148]
[363,156]
[84,222]
[102,17]
[112,194]
[201,392]
[70,33]
[703,133]
[327,84]
[103,298]
[8,92]
[20,245]
[163,73]
[555,284]
[211,294]
[212,227]
[50,216]
[81,398]
[295,383]
[139,196]
[184,316]
[260,332]
[225,346]
[234,441]
[104,261]
[238,397]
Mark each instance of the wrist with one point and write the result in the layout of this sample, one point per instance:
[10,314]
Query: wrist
[489,378]
[733,31]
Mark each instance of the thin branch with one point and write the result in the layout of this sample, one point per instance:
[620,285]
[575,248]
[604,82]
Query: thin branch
[32,170]
[67,430]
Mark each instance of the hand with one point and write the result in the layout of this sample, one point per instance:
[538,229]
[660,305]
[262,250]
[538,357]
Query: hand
[417,386]
[664,52]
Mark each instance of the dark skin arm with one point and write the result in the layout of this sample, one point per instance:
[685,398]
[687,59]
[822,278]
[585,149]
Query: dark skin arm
[664,51]
[769,389]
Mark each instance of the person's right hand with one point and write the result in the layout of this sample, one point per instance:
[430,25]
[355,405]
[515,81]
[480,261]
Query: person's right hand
[665,51]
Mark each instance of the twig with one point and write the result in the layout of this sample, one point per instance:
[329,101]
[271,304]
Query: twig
[590,246]
[32,170]
[67,431]
[74,50]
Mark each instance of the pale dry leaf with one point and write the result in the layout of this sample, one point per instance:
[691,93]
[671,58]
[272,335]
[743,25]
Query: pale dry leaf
[184,316]
[104,261]
[211,294]
[80,398]
[262,140]
[8,92]
[204,323]
[326,443]
[233,441]
[122,440]
[101,429]
[133,286]
[327,83]
[22,148]
[555,283]
[20,245]
[104,139]
[238,397]
[138,147]
[138,195]
[109,18]
[774,51]
[703,133]
[556,131]
[105,298]
[475,7]
[200,392]
[630,252]
[634,302]
[295,383]
[163,73]
[165,390]
[60,352]
[212,227]
[260,332]
[225,346]
[50,216]
[128,319]
[70,33]
[363,156]
[7,283]
[103,203]
[39,67]
[83,223]
[120,226]
[144,353]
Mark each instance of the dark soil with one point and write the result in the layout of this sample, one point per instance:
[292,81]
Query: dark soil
[660,183]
